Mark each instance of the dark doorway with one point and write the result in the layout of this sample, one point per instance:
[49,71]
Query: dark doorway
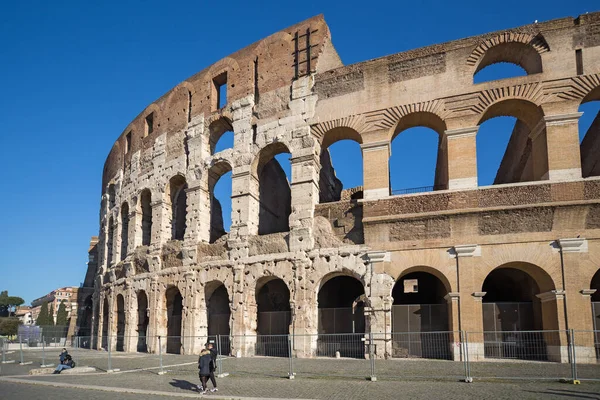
[174,320]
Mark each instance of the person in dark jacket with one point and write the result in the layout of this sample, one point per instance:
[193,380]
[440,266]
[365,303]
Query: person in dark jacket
[67,363]
[213,365]
[204,369]
[63,355]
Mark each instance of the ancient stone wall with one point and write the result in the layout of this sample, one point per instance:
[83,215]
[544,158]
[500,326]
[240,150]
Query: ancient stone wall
[291,236]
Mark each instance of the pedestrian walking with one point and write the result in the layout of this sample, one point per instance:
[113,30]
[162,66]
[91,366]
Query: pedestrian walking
[204,361]
[213,365]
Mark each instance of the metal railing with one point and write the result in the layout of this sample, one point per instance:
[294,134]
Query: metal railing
[421,189]
[551,355]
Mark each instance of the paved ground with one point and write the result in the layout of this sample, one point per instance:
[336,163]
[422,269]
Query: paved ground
[344,379]
[235,387]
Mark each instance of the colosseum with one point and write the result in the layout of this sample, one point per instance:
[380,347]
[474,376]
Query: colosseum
[304,256]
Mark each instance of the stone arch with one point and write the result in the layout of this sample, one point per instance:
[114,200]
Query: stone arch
[274,190]
[273,309]
[595,284]
[517,48]
[413,119]
[224,64]
[215,172]
[590,143]
[216,129]
[218,312]
[120,306]
[174,318]
[124,230]
[436,163]
[523,109]
[330,184]
[541,277]
[144,209]
[526,154]
[143,320]
[429,270]
[105,320]
[177,108]
[177,197]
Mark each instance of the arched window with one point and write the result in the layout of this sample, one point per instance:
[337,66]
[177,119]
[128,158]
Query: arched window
[174,307]
[416,162]
[220,135]
[273,169]
[508,148]
[178,198]
[589,134]
[124,230]
[507,60]
[111,196]
[146,209]
[109,241]
[341,164]
[219,188]
[273,317]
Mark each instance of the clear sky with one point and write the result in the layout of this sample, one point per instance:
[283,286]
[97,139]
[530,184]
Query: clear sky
[73,74]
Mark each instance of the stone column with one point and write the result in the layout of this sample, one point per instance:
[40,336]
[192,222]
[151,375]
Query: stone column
[305,194]
[555,148]
[100,320]
[306,323]
[572,252]
[553,319]
[244,202]
[453,312]
[112,319]
[461,150]
[475,339]
[193,218]
[194,337]
[131,317]
[161,223]
[243,316]
[378,313]
[134,233]
[376,169]
[154,306]
[116,245]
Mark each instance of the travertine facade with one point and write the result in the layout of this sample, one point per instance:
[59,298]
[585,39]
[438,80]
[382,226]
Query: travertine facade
[163,253]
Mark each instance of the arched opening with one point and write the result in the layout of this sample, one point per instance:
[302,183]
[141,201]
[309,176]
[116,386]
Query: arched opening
[85,327]
[219,188]
[111,196]
[143,320]
[497,71]
[273,317]
[595,284]
[510,144]
[512,312]
[340,149]
[420,317]
[124,230]
[174,319]
[120,322]
[105,317]
[523,59]
[273,169]
[417,160]
[219,314]
[589,134]
[109,241]
[178,198]
[146,209]
[341,303]
[221,135]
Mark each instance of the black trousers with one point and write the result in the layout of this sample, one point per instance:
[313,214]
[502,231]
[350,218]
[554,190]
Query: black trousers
[212,378]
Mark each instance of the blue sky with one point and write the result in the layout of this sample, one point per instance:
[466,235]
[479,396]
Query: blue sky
[73,74]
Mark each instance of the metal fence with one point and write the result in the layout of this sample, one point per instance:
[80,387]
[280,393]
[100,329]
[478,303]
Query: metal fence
[441,355]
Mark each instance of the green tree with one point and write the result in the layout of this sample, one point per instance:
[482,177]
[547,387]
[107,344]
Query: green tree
[9,326]
[9,304]
[51,316]
[61,315]
[42,319]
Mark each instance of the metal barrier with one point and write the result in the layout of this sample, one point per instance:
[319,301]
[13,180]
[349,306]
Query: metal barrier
[551,355]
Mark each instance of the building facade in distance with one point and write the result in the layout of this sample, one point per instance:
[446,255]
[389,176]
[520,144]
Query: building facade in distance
[303,256]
